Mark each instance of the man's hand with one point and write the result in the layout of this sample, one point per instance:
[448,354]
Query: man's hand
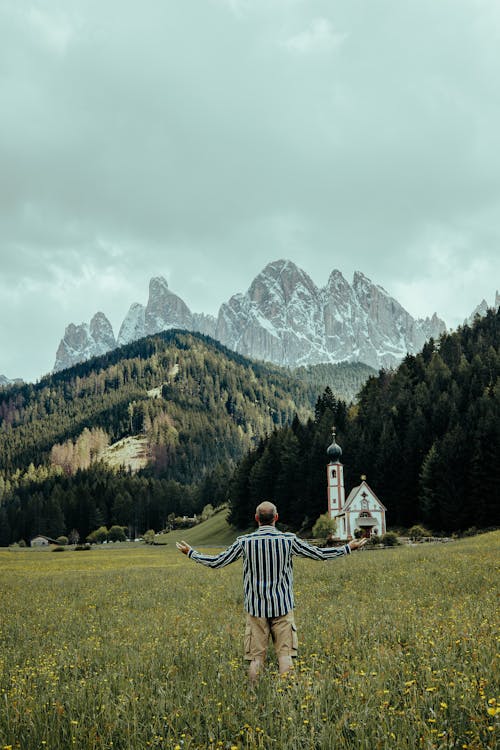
[357,543]
[183,547]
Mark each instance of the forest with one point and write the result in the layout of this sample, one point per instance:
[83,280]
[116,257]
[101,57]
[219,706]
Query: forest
[218,427]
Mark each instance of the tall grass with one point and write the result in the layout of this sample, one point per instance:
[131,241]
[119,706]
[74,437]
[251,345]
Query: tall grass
[141,648]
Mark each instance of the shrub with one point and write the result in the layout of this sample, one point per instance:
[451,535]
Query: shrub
[149,536]
[59,548]
[390,539]
[98,536]
[117,534]
[471,531]
[207,512]
[324,527]
[417,532]
[62,540]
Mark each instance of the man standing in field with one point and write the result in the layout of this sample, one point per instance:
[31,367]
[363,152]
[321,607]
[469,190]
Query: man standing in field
[268,584]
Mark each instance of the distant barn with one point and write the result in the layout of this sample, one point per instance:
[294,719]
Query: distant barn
[42,541]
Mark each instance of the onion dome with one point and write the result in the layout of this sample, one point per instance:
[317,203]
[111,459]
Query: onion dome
[334,451]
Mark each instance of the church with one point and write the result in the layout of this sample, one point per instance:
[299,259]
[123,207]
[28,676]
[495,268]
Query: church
[362,511]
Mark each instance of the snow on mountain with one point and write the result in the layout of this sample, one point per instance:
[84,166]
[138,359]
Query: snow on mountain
[5,381]
[133,326]
[84,341]
[286,319]
[282,318]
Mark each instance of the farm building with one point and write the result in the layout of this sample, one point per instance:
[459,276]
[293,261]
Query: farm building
[42,541]
[361,511]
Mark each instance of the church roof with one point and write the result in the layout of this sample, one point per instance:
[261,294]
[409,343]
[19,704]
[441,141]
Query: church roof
[355,491]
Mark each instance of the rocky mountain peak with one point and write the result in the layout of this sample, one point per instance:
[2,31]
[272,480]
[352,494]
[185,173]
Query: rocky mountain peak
[81,342]
[134,324]
[101,332]
[165,309]
[482,309]
[282,318]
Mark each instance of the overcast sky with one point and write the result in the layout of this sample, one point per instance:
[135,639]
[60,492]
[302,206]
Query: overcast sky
[201,139]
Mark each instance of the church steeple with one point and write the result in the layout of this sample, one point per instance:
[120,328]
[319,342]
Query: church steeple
[335,478]
[334,451]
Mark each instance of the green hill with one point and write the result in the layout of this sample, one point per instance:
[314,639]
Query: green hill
[215,531]
[194,402]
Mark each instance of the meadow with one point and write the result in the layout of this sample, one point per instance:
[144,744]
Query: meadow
[131,648]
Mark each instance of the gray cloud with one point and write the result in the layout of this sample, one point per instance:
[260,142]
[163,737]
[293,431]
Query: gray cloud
[202,140]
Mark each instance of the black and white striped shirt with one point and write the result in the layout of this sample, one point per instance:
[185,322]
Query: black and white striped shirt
[267,567]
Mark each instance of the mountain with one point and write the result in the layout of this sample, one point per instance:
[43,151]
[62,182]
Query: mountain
[195,402]
[5,381]
[482,309]
[283,318]
[85,341]
[164,310]
[286,319]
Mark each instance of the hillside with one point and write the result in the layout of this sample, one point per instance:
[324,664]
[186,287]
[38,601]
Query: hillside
[345,379]
[215,531]
[195,403]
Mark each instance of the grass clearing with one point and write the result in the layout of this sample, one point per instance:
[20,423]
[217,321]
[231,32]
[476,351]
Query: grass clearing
[128,648]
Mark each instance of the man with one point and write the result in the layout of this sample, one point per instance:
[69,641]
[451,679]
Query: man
[268,584]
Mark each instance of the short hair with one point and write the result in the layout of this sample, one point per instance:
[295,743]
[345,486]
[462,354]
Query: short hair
[266,512]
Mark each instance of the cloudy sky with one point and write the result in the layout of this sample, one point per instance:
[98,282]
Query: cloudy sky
[201,139]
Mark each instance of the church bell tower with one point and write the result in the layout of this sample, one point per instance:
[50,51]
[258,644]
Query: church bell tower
[335,479]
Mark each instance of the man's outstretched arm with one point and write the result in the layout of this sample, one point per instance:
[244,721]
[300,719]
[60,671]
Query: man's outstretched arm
[304,549]
[226,557]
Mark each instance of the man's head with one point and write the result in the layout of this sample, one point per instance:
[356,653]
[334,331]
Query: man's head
[266,514]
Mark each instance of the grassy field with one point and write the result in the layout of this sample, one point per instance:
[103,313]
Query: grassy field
[131,648]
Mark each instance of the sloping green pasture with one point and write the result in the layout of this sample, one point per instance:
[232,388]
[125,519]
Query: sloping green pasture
[141,648]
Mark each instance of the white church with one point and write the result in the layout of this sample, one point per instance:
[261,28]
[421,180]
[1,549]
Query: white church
[362,510]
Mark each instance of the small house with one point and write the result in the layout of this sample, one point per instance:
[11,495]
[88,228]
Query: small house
[42,541]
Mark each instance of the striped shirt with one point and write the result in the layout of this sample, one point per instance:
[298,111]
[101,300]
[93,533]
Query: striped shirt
[267,567]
